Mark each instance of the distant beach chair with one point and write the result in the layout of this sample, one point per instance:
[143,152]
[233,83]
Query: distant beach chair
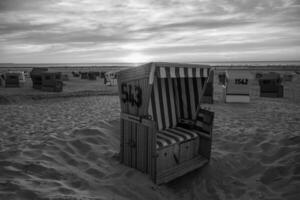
[52,82]
[270,85]
[21,77]
[111,78]
[97,74]
[2,81]
[164,131]
[287,77]
[12,79]
[92,76]
[102,74]
[84,75]
[36,77]
[76,74]
[238,84]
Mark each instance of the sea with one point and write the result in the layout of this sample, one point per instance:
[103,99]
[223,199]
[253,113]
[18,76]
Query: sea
[280,65]
[257,63]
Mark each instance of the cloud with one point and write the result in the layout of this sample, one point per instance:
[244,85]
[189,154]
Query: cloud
[113,30]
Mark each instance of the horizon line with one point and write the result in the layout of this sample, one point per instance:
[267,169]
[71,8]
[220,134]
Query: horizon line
[1,63]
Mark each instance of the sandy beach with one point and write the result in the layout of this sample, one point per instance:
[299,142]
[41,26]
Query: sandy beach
[67,148]
[137,100]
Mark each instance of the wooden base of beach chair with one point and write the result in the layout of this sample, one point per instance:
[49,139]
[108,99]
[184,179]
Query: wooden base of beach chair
[181,169]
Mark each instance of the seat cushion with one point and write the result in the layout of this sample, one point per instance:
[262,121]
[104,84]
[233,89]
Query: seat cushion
[172,136]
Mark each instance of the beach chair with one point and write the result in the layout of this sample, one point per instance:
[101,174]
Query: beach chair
[102,74]
[21,77]
[84,75]
[12,79]
[238,83]
[36,77]
[164,131]
[111,78]
[52,82]
[2,79]
[92,76]
[271,85]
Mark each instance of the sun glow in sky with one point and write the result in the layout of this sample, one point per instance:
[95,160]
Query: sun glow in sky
[69,31]
[136,58]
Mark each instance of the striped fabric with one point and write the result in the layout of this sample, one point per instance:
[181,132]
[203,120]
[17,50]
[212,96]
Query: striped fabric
[172,136]
[181,72]
[175,94]
[177,72]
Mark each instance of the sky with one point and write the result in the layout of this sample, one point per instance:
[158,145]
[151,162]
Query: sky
[92,31]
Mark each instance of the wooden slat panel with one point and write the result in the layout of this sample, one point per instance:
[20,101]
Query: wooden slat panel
[162,159]
[127,150]
[142,139]
[181,169]
[183,152]
[122,140]
[129,137]
[143,83]
[133,109]
[139,149]
[133,145]
[152,151]
[139,156]
[150,160]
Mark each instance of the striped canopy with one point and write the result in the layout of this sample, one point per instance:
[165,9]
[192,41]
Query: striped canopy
[177,72]
[176,93]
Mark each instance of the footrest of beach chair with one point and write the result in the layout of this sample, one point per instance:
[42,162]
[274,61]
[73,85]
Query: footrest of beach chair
[180,169]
